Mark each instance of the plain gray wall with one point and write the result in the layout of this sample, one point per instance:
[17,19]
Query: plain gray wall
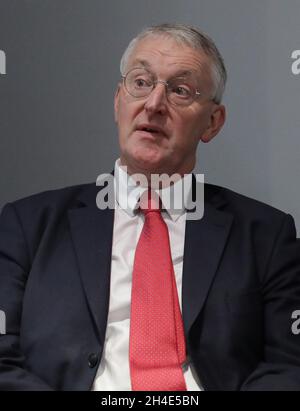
[56,100]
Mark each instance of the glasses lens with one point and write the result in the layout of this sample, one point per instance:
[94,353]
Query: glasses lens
[181,92]
[139,82]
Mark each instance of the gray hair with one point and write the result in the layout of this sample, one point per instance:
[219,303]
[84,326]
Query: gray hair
[189,36]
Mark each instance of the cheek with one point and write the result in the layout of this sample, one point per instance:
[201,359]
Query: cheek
[198,125]
[187,131]
[126,117]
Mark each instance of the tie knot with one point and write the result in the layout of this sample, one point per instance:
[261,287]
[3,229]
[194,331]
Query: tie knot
[150,202]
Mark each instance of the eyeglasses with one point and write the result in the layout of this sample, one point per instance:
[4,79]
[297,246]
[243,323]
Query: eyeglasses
[181,91]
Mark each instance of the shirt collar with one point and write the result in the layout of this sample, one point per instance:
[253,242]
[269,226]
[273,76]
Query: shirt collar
[127,193]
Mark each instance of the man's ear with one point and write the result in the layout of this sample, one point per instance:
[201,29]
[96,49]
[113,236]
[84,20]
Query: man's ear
[116,102]
[217,120]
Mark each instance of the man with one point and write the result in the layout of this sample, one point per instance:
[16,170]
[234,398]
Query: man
[141,297]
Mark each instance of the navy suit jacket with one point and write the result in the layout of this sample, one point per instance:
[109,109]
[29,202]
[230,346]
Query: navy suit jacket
[241,283]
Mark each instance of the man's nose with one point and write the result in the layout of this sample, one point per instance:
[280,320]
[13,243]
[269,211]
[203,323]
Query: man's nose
[157,99]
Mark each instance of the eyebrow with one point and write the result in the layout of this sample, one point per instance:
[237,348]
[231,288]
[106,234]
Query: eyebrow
[147,65]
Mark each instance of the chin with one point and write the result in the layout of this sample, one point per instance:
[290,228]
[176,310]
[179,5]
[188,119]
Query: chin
[147,159]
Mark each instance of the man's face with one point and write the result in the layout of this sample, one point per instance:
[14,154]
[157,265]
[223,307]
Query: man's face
[172,149]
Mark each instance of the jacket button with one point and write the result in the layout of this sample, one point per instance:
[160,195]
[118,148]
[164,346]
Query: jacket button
[93,360]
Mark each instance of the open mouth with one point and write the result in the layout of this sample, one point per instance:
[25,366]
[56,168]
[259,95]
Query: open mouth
[151,130]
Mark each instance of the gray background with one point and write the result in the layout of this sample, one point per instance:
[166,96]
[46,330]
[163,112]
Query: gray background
[56,100]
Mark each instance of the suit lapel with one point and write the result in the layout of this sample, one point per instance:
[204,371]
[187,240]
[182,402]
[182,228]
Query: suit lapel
[91,231]
[205,240]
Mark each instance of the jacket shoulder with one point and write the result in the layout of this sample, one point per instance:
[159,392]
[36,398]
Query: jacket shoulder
[64,197]
[242,205]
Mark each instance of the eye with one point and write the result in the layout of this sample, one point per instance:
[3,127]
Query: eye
[141,83]
[181,91]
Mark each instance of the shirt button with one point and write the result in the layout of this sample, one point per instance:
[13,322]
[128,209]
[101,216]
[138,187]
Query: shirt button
[93,360]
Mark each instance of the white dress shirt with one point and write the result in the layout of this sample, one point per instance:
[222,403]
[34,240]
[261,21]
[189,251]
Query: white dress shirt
[113,373]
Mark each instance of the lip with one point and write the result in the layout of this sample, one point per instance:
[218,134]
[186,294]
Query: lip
[148,135]
[157,131]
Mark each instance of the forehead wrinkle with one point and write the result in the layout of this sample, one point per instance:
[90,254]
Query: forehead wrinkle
[164,46]
[191,62]
[181,72]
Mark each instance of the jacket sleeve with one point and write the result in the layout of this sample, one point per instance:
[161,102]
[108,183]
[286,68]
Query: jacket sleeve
[14,270]
[280,368]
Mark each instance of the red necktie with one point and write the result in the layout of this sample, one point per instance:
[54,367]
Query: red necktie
[157,344]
